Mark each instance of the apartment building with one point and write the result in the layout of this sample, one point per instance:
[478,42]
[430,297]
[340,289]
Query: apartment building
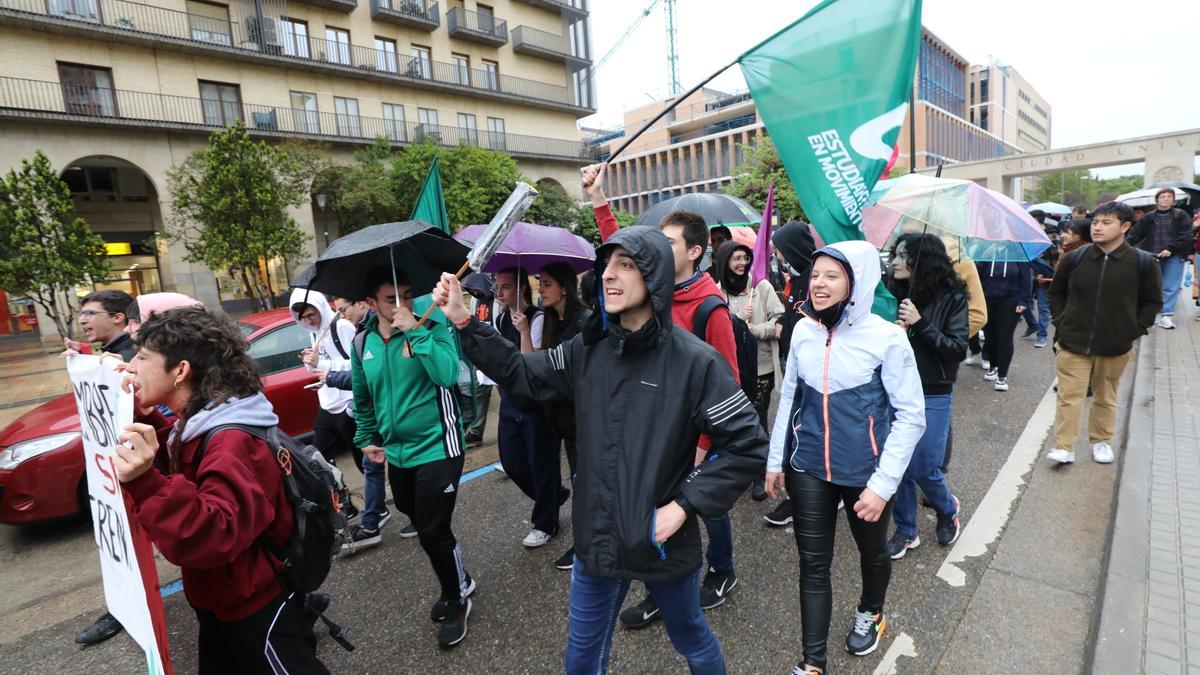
[116,92]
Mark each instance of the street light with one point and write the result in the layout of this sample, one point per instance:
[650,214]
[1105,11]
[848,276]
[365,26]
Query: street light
[324,225]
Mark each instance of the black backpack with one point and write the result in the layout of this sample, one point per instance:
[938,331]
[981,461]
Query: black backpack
[313,487]
[337,340]
[1145,260]
[743,339]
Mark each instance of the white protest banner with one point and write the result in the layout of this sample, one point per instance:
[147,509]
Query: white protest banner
[126,559]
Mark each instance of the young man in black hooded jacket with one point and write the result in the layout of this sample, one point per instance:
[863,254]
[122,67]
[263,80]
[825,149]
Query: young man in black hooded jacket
[644,391]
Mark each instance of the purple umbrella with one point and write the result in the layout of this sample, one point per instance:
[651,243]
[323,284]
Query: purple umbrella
[532,247]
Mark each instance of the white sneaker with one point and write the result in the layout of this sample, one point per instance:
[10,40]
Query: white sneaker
[991,375]
[1001,384]
[1166,321]
[536,538]
[1061,456]
[973,359]
[1102,453]
[985,364]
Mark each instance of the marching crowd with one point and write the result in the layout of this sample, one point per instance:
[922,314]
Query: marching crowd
[656,379]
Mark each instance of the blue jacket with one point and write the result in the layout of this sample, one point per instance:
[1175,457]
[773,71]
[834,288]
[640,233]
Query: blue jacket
[1006,281]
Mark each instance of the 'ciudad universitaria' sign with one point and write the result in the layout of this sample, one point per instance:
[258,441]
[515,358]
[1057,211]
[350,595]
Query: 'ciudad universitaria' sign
[126,557]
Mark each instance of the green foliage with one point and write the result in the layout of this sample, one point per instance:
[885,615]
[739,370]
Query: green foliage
[898,170]
[1079,187]
[762,165]
[361,194]
[45,251]
[475,181]
[231,202]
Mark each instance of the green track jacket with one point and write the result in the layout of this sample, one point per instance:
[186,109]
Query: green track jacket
[403,394]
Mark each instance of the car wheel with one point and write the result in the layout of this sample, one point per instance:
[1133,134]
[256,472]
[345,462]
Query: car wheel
[83,500]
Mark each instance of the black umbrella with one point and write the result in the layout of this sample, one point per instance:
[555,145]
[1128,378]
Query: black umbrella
[421,250]
[1192,189]
[714,207]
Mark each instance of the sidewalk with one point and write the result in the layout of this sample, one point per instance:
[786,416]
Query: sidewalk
[1150,620]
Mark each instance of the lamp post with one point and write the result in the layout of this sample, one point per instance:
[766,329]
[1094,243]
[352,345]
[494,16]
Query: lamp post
[321,199]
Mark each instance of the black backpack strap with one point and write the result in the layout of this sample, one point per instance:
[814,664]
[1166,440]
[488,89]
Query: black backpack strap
[262,433]
[1075,256]
[360,341]
[1144,260]
[337,340]
[705,310]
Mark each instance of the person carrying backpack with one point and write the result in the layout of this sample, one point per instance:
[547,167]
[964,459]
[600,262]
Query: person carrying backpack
[1104,296]
[220,514]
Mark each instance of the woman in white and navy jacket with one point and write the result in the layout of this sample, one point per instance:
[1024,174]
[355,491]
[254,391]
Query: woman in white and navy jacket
[850,413]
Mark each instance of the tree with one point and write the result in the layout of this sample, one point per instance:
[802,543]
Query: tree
[44,250]
[231,202]
[762,165]
[361,194]
[476,181]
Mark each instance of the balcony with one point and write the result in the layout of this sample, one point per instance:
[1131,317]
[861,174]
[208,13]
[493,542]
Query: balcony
[409,13]
[558,6]
[335,5]
[550,46]
[125,22]
[475,27]
[97,106]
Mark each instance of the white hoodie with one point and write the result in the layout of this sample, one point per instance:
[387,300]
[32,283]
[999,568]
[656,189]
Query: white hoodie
[332,400]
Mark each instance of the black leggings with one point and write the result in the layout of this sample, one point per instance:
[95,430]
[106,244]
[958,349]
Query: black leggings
[762,399]
[814,512]
[998,334]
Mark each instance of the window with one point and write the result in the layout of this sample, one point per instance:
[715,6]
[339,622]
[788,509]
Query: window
[295,37]
[86,10]
[304,112]
[278,350]
[209,22]
[427,117]
[422,63]
[393,122]
[385,54]
[221,103]
[87,90]
[337,45]
[496,140]
[427,126]
[487,18]
[462,68]
[348,122]
[491,75]
[467,130]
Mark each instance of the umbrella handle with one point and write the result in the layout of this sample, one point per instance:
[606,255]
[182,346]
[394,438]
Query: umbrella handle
[462,272]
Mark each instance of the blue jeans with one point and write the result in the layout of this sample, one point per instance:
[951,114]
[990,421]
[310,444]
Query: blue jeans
[720,542]
[925,469]
[373,492]
[1039,320]
[592,615]
[1172,279]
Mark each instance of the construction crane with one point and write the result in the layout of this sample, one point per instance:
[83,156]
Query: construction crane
[672,53]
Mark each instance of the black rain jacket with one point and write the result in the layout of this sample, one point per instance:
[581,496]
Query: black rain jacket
[642,399]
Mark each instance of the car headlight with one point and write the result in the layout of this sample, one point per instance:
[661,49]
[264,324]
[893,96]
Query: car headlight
[11,457]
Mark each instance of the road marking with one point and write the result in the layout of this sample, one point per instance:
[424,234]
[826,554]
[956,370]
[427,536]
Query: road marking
[993,513]
[903,645]
[176,586]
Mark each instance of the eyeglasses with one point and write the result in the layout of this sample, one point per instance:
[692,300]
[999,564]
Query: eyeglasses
[342,310]
[739,259]
[89,313]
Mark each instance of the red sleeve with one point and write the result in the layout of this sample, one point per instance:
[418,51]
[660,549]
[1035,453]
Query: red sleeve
[606,221]
[719,334]
[211,522]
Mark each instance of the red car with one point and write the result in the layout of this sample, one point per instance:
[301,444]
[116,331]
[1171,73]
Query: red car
[41,454]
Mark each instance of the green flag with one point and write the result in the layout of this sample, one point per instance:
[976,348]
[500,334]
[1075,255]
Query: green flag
[431,203]
[832,90]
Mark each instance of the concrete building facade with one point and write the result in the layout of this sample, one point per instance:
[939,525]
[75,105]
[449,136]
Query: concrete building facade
[117,92]
[1006,105]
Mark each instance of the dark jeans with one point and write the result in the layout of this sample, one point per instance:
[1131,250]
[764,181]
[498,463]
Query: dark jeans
[720,537]
[333,433]
[814,513]
[1038,320]
[925,468]
[998,334]
[427,494]
[592,616]
[275,639]
[530,457]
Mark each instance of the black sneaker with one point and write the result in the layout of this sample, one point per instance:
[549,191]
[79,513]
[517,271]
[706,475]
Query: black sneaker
[104,628]
[758,491]
[901,543]
[360,539]
[474,440]
[866,633]
[947,526]
[454,626]
[408,531]
[1029,332]
[640,615]
[384,516]
[438,612]
[567,560]
[716,587]
[349,510]
[780,515]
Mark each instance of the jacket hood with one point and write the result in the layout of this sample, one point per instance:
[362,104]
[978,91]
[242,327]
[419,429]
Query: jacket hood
[862,258]
[651,252]
[721,266]
[253,411]
[150,304]
[795,242]
[303,296]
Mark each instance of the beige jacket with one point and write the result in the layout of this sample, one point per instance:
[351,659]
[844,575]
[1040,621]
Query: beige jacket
[766,309]
[976,304]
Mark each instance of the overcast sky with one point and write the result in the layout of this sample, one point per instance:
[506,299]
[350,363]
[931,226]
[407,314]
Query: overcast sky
[1097,64]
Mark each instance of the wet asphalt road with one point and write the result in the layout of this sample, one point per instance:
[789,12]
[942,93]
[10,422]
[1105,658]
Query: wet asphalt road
[519,621]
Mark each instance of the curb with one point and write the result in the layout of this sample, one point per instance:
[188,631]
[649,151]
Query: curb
[1118,640]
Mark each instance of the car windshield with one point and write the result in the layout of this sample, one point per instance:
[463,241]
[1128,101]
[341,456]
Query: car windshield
[246,329]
